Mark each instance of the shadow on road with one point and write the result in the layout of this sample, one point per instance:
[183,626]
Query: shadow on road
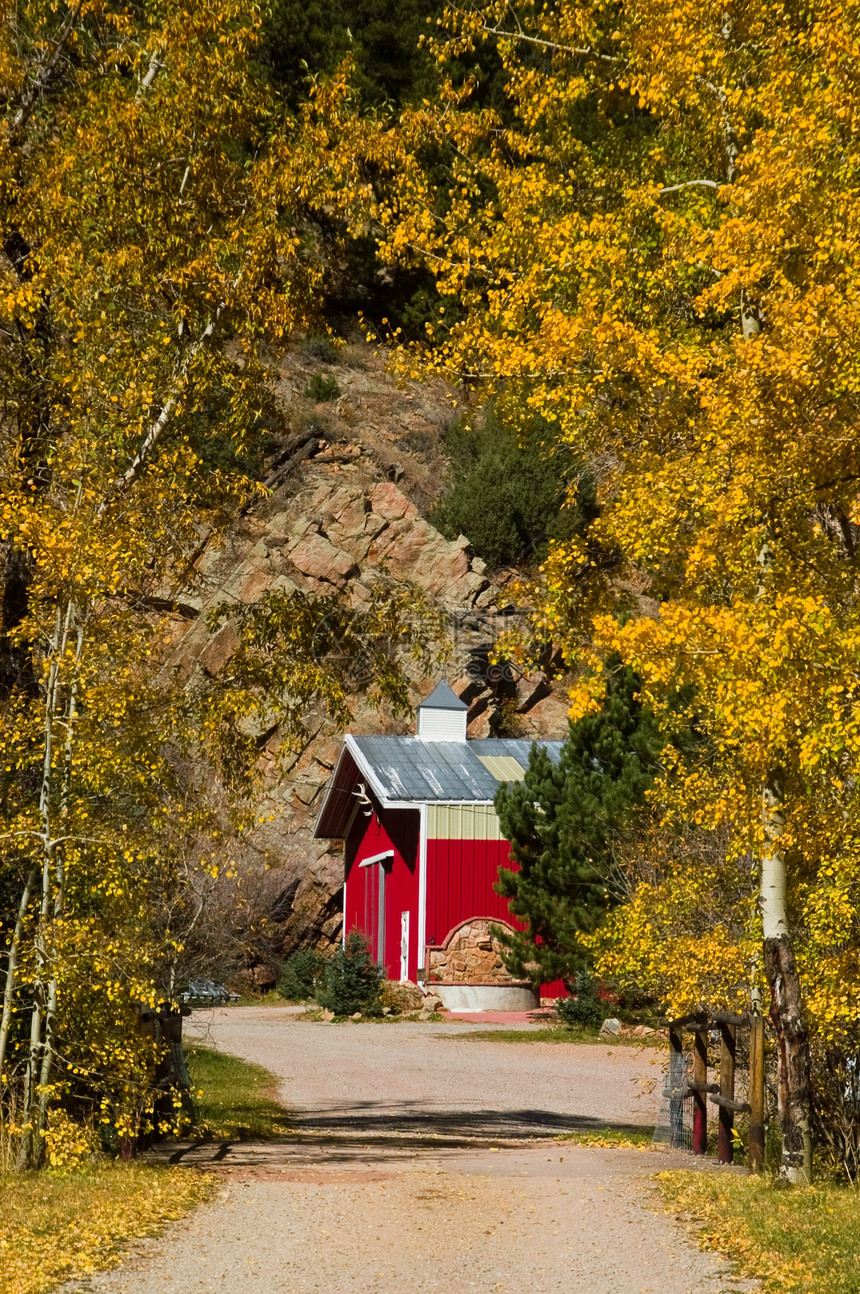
[370,1132]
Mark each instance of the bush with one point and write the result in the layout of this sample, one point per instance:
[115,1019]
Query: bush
[505,490]
[351,980]
[585,1010]
[300,975]
[321,348]
[321,387]
[836,1104]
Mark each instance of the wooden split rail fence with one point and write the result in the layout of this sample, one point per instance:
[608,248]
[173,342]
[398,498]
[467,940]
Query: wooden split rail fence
[722,1093]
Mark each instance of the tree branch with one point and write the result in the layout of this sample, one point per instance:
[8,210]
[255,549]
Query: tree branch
[587,52]
[584,51]
[155,66]
[157,428]
[31,96]
[733,148]
[673,188]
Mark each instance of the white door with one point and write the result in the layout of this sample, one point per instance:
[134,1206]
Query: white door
[404,946]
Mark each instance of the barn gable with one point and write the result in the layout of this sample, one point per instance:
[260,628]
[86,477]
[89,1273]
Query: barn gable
[422,842]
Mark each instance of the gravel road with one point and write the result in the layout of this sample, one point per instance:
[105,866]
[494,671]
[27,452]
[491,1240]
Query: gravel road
[425,1161]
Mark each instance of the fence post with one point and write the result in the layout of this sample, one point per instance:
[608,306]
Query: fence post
[756,1150]
[727,1091]
[676,1104]
[700,1078]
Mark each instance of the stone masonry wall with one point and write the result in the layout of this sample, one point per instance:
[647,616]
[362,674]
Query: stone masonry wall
[470,956]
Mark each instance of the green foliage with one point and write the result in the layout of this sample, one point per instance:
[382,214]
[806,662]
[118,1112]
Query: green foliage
[564,822]
[321,348]
[234,1100]
[300,975]
[584,1009]
[303,38]
[321,387]
[352,980]
[506,489]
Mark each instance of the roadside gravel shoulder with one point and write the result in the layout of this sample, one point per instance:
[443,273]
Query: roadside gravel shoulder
[427,1162]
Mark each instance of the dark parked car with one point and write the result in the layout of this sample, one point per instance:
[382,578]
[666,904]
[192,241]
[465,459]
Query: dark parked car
[205,992]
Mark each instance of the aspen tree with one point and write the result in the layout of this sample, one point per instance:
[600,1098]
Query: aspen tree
[140,236]
[655,248]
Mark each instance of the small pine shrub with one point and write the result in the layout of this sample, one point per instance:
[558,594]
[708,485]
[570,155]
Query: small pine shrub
[300,975]
[351,980]
[321,387]
[321,348]
[505,489]
[585,1010]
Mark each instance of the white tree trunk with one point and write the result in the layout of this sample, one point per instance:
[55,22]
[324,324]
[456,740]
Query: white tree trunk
[786,1010]
[12,967]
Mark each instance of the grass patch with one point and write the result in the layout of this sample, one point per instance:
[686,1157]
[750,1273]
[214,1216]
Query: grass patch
[272,998]
[554,1033]
[613,1138]
[800,1241]
[234,1099]
[316,1015]
[56,1225]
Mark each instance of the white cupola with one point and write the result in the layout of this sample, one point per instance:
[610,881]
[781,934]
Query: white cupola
[442,717]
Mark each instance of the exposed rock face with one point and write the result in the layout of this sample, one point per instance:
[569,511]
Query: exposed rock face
[470,955]
[333,522]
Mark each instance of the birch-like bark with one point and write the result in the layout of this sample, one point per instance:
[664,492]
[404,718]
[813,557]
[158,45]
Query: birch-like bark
[12,966]
[155,66]
[32,1145]
[159,424]
[34,92]
[786,1012]
[58,850]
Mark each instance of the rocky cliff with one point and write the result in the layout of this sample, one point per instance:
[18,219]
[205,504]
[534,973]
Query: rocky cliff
[347,484]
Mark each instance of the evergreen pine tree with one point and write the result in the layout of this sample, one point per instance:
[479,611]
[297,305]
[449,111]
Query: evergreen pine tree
[351,979]
[564,820]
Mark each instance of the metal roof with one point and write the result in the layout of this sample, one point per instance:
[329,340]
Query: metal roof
[517,748]
[443,697]
[406,772]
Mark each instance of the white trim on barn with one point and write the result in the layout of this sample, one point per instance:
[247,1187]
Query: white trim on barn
[422,889]
[377,858]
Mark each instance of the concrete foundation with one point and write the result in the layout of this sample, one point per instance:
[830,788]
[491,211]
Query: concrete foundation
[487,997]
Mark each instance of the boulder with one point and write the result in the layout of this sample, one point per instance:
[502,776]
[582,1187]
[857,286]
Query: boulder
[313,555]
[610,1028]
[402,998]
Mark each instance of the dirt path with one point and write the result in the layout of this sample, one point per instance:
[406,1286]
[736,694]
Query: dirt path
[425,1161]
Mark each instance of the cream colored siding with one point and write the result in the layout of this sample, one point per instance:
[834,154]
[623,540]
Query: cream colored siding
[462,822]
[442,725]
[504,768]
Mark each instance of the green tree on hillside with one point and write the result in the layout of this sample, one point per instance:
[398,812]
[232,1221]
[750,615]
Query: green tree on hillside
[564,822]
[301,40]
[507,489]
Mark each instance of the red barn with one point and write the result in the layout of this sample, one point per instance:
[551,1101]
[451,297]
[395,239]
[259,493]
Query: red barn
[423,848]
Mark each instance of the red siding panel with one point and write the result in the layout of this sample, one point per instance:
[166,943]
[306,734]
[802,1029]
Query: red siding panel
[460,879]
[461,875]
[397,831]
